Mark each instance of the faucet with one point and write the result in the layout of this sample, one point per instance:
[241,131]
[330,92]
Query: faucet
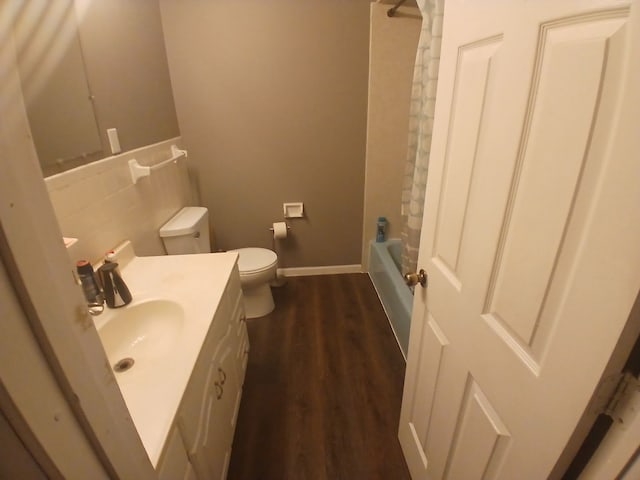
[116,292]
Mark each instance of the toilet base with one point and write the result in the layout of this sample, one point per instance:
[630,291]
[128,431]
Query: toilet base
[258,300]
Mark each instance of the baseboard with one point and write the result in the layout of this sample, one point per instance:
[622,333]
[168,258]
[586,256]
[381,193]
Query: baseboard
[328,270]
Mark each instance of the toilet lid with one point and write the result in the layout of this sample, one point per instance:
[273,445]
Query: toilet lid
[255,259]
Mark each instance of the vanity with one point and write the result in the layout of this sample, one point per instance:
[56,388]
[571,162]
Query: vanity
[179,352]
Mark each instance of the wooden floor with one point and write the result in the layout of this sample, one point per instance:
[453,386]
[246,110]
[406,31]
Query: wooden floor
[323,387]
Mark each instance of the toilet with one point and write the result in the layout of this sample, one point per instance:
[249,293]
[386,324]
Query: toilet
[188,232]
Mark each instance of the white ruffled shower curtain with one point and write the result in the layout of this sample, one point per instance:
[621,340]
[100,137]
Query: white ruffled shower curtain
[423,97]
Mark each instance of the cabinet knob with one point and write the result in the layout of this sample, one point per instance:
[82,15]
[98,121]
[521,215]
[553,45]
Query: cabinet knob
[219,390]
[222,376]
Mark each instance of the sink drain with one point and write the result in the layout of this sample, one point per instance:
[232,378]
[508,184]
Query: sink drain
[124,364]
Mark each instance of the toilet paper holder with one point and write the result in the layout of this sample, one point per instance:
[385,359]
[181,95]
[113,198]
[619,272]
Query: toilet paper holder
[288,227]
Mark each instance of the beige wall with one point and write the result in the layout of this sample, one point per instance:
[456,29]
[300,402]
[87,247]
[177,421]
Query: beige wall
[392,56]
[271,100]
[100,205]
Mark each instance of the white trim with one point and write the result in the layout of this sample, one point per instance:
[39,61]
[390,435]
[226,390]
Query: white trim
[325,270]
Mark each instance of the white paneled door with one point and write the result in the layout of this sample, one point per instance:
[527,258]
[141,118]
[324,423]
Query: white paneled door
[531,238]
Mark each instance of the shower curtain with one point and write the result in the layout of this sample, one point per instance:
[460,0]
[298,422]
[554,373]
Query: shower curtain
[423,96]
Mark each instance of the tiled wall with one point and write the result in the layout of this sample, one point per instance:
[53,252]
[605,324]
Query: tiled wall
[99,204]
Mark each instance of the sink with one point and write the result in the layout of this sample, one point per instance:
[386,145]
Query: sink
[142,332]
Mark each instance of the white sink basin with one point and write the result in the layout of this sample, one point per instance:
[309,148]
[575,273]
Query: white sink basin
[142,331]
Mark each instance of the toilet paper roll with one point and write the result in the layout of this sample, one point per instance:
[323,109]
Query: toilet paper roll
[279,230]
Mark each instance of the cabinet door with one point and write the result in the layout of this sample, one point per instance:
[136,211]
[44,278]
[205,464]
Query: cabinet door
[210,407]
[195,402]
[231,397]
[196,442]
[242,355]
[240,342]
[209,454]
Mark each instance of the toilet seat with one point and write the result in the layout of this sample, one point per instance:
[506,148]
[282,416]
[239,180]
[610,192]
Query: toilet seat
[255,260]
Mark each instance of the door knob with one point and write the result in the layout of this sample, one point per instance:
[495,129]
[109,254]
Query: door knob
[413,278]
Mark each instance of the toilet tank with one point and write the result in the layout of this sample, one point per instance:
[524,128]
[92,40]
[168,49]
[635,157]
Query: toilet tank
[187,232]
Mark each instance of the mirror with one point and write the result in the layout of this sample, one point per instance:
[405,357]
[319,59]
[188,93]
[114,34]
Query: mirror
[87,66]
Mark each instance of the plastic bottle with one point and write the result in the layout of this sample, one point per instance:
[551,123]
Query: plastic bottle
[90,285]
[381,230]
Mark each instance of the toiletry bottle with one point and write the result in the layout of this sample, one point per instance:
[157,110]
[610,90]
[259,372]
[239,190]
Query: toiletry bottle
[381,230]
[90,285]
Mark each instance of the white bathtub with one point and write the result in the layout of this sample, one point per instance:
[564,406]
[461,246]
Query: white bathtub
[396,298]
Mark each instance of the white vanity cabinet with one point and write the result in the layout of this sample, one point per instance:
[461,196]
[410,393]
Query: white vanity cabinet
[175,464]
[199,444]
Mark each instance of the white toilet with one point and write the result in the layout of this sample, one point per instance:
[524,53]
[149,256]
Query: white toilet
[188,232]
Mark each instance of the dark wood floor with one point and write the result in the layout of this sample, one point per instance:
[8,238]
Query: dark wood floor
[323,387]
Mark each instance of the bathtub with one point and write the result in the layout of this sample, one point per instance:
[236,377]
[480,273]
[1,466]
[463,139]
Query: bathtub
[396,298]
